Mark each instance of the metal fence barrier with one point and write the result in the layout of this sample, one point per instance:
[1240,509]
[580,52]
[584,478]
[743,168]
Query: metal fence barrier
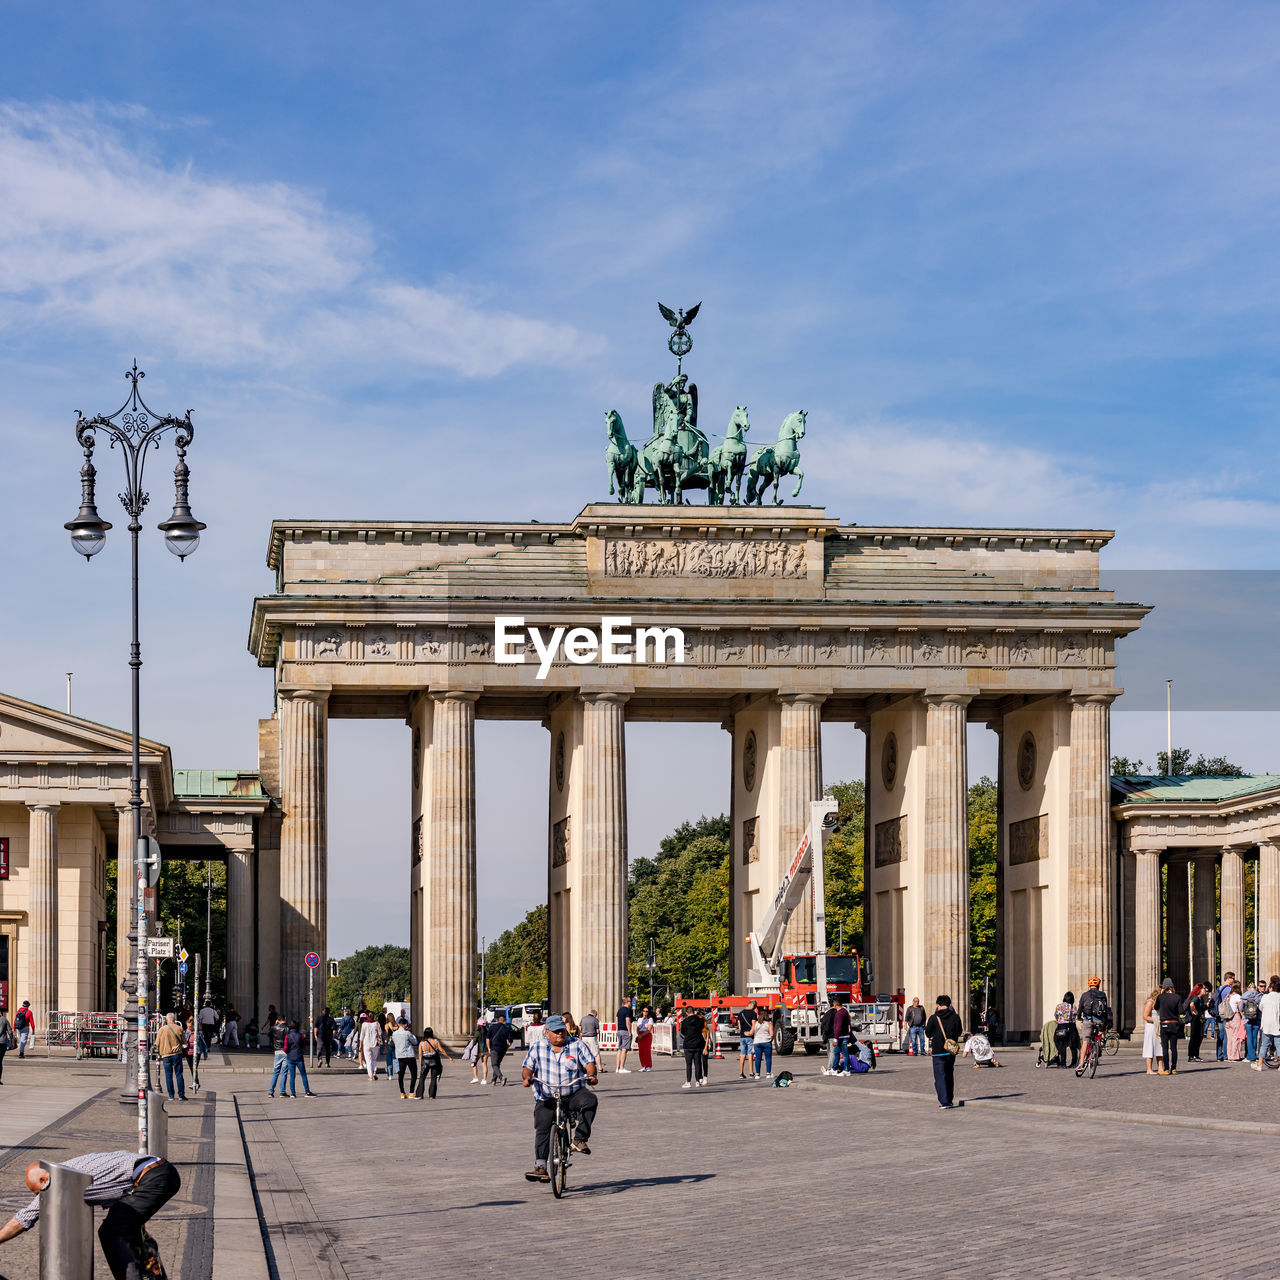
[66,1225]
[91,1035]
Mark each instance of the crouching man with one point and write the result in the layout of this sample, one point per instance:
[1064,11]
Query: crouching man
[133,1188]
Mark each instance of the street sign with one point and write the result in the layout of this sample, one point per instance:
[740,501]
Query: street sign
[153,862]
[182,955]
[160,948]
[182,967]
[4,857]
[312,959]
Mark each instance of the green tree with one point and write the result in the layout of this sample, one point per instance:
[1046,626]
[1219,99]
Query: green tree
[1183,766]
[515,963]
[983,832]
[372,974]
[843,867]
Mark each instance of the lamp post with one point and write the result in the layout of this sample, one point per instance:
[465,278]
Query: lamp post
[208,930]
[135,429]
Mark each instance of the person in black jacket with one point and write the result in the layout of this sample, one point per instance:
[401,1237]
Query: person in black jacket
[944,1025]
[499,1043]
[326,1028]
[1168,1011]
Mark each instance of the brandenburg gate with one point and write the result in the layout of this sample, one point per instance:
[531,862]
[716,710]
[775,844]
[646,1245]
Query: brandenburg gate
[786,618]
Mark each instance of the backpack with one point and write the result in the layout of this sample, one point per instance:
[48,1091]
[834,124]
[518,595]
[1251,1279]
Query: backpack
[1252,1008]
[22,1018]
[1225,1011]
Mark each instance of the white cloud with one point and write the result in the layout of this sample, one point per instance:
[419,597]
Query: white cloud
[98,234]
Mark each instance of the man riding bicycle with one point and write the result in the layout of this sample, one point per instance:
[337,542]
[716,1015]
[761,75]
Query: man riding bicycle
[1094,1010]
[554,1064]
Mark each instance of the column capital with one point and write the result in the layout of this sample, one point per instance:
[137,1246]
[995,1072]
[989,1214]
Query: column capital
[454,695]
[793,698]
[304,695]
[603,695]
[946,699]
[1091,698]
[43,806]
[1238,847]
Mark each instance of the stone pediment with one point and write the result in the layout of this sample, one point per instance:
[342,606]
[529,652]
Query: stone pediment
[30,730]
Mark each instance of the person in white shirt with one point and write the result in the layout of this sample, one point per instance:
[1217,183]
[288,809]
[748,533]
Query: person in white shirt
[983,1054]
[207,1022]
[370,1037]
[1269,1031]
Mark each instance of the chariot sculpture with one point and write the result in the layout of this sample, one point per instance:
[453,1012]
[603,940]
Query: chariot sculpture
[678,456]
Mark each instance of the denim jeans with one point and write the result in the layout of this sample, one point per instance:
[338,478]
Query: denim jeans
[277,1071]
[173,1066]
[294,1069]
[1267,1043]
[1220,1035]
[764,1049]
[838,1044]
[23,1036]
[1251,1030]
[915,1039]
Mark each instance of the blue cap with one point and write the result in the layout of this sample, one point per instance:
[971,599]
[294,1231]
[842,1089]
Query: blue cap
[555,1023]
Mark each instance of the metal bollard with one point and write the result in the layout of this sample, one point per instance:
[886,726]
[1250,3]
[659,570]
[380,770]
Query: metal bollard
[66,1225]
[157,1126]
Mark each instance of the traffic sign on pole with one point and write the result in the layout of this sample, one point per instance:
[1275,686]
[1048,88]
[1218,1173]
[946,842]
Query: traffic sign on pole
[182,955]
[311,959]
[160,948]
[182,967]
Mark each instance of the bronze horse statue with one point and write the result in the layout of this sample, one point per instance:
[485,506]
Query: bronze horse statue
[728,462]
[772,462]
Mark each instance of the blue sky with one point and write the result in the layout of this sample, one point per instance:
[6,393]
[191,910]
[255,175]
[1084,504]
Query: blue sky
[1018,262]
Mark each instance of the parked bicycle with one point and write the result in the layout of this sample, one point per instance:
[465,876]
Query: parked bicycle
[1111,1042]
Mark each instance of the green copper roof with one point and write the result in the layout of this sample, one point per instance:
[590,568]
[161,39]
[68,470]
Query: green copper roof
[1158,789]
[217,782]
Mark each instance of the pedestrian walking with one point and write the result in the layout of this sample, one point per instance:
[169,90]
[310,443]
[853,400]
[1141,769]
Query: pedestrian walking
[1168,1010]
[406,1047]
[370,1040]
[693,1027]
[6,1040]
[1197,1007]
[346,1033]
[915,1017]
[746,1020]
[206,1024]
[388,1043]
[762,1044]
[231,1029]
[644,1038]
[1065,1035]
[171,1049]
[277,1033]
[589,1034]
[499,1043]
[1151,1051]
[133,1187]
[326,1028]
[625,1023]
[1269,1032]
[944,1030]
[1251,1010]
[430,1051]
[295,1051]
[477,1053]
[25,1022]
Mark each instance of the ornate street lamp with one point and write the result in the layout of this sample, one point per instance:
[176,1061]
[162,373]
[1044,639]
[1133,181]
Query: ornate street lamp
[135,429]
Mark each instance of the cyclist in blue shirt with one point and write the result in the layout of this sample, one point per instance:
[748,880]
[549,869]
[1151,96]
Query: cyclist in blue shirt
[555,1064]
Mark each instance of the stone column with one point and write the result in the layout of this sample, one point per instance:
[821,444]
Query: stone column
[946,852]
[800,774]
[240,939]
[1146,923]
[1177,929]
[126,888]
[42,911]
[1204,920]
[1268,909]
[603,848]
[1233,960]
[303,842]
[451,871]
[1090,878]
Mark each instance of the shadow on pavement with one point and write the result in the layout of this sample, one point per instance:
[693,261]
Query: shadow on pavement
[634,1184]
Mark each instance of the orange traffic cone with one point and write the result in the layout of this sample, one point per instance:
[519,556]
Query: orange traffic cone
[718,1053]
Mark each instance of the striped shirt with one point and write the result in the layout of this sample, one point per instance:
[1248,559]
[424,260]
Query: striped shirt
[566,1070]
[113,1173]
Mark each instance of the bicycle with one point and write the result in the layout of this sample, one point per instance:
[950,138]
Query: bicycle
[1111,1042]
[561,1137]
[1092,1052]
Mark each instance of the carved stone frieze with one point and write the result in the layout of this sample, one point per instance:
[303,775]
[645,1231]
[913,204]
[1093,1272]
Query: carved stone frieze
[891,841]
[673,558]
[1029,840]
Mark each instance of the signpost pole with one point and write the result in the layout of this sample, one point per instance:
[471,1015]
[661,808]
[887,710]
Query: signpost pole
[311,1012]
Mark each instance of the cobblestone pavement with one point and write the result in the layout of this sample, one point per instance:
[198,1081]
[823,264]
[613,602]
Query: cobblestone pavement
[828,1178]
[183,1229]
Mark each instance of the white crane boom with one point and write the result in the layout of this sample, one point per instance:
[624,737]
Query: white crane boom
[805,868]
